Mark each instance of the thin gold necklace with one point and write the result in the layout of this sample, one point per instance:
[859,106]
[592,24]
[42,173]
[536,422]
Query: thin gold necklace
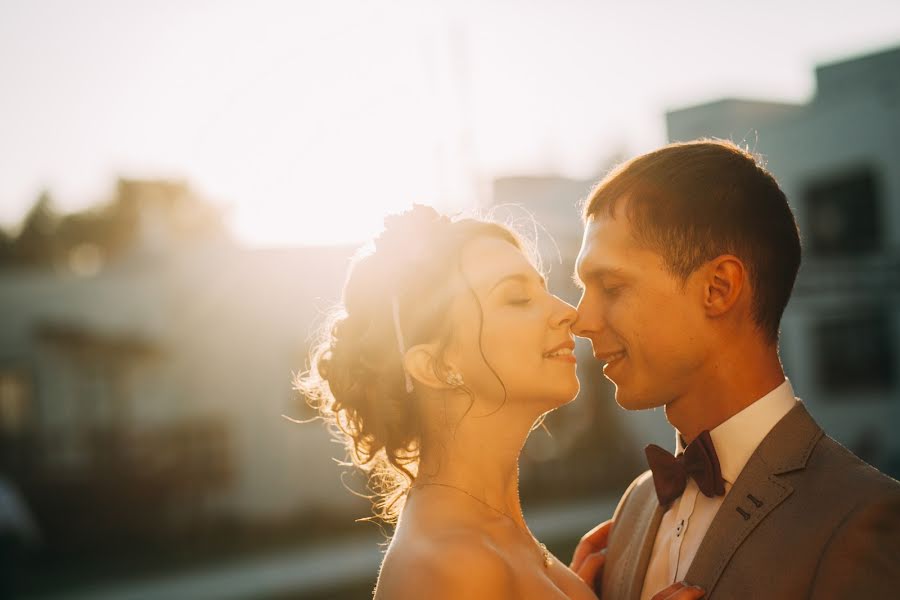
[548,558]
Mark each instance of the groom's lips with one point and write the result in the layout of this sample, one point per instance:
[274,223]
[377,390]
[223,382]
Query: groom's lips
[609,357]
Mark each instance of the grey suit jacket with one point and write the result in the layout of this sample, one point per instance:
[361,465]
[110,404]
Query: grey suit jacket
[805,519]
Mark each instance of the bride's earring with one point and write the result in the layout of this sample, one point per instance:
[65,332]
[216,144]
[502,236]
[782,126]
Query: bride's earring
[454,379]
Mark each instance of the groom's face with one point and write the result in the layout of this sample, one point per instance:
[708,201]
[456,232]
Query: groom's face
[646,325]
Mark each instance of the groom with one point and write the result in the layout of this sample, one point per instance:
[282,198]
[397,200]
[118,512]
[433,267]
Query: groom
[689,256]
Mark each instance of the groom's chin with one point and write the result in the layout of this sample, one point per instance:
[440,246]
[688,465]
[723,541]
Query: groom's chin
[632,401]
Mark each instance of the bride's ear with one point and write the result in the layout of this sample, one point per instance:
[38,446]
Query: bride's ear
[420,362]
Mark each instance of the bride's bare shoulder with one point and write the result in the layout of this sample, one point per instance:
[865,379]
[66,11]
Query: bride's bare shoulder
[450,564]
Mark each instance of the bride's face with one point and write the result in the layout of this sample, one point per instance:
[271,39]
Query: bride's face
[511,329]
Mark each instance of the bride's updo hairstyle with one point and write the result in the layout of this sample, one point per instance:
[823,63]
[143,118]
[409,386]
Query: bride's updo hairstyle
[356,380]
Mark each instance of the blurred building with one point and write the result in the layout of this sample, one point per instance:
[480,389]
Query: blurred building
[145,393]
[838,161]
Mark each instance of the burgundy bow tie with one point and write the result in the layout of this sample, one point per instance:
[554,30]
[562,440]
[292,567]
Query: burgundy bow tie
[698,460]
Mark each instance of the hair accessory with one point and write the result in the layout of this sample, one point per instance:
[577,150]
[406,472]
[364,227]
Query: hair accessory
[412,233]
[454,379]
[395,310]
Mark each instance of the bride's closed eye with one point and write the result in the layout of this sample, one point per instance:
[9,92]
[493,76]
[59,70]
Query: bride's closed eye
[517,294]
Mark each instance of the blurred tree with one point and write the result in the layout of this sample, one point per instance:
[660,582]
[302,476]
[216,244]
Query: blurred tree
[6,247]
[142,213]
[35,243]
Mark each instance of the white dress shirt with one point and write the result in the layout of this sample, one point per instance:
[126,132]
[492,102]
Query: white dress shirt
[688,518]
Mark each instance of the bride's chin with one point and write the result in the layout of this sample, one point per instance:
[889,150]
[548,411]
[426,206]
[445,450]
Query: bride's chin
[570,399]
[567,396]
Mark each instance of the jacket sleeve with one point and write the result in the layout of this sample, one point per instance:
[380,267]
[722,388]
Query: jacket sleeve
[862,559]
[621,536]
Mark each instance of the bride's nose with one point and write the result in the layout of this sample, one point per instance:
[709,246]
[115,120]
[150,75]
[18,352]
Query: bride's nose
[564,315]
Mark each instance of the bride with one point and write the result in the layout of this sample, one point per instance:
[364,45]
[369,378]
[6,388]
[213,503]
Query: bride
[447,350]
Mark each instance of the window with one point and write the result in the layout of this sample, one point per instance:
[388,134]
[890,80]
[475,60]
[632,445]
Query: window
[844,214]
[856,353]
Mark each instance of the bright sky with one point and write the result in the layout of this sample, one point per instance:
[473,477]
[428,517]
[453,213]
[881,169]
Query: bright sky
[313,119]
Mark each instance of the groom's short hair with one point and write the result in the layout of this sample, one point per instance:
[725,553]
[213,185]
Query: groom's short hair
[691,202]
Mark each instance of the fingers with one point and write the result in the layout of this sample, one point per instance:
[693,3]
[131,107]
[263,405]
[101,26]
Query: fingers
[582,551]
[687,593]
[594,540]
[599,535]
[591,568]
[679,591]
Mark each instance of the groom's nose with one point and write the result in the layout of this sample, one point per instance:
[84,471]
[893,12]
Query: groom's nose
[588,318]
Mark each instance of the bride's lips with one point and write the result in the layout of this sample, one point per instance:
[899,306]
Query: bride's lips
[563,352]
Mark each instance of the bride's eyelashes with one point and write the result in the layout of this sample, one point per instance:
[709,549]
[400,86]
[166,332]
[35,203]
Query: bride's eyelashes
[519,301]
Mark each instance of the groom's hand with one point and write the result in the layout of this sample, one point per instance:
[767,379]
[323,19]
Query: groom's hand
[590,555]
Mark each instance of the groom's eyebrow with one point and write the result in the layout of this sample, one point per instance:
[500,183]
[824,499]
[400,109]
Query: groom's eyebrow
[594,273]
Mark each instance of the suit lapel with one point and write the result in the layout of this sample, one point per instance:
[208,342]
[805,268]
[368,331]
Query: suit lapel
[756,493]
[736,519]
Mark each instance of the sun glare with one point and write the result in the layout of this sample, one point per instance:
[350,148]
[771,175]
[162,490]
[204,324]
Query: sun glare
[346,221]
[320,146]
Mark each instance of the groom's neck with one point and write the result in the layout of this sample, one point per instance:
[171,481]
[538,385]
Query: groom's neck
[734,379]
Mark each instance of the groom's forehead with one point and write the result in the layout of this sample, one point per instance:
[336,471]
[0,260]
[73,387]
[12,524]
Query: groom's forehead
[605,236]
[607,248]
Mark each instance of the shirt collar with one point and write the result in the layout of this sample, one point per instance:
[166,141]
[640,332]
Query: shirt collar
[737,438]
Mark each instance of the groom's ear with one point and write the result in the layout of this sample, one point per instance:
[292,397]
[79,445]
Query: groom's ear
[725,281]
[421,362]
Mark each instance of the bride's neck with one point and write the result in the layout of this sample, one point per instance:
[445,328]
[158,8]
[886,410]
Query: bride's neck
[479,459]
